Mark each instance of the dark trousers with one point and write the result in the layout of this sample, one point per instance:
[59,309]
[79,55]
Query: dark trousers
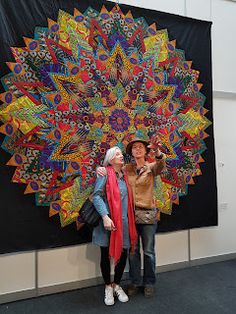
[106,266]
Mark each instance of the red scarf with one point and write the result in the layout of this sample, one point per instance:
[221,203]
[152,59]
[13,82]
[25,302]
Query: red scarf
[115,206]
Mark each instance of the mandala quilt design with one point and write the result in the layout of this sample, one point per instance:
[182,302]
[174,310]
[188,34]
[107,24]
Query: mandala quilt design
[91,81]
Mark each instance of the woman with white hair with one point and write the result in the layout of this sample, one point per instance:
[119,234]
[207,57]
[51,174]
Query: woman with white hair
[116,232]
[141,176]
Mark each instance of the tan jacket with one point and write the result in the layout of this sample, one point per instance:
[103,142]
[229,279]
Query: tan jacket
[142,184]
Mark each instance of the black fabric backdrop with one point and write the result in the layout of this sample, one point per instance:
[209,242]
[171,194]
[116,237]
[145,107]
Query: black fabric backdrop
[23,225]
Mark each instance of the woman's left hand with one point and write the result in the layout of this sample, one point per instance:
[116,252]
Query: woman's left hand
[108,223]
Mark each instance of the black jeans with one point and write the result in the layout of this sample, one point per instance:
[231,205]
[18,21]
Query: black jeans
[106,266]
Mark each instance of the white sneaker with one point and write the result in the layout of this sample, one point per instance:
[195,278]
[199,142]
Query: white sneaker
[109,297]
[121,295]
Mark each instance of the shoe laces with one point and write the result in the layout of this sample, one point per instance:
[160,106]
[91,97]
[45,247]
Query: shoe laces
[119,291]
[108,292]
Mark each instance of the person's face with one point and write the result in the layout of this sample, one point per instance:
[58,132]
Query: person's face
[118,159]
[138,150]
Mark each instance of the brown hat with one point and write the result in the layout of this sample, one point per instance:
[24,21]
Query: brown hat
[135,140]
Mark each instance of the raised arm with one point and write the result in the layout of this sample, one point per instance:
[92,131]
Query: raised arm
[158,165]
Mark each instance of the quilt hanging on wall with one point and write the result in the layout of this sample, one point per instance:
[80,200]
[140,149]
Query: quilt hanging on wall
[79,77]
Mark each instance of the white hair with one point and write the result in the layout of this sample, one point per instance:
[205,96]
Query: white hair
[110,154]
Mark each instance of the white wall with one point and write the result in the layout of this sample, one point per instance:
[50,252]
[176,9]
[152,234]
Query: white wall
[224,45]
[207,242]
[17,272]
[76,263]
[221,240]
[170,6]
[68,264]
[200,9]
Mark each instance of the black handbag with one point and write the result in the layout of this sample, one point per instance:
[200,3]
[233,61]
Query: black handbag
[89,214]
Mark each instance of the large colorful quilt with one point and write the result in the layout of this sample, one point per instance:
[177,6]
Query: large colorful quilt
[96,78]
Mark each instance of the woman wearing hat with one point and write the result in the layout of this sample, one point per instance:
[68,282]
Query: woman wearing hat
[141,175]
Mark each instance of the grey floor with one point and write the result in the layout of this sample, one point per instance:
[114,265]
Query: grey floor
[202,289]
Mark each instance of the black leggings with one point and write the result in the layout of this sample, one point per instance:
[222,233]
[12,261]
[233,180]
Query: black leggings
[106,266]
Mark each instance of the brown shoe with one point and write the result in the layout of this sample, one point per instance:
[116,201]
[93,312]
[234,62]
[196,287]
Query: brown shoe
[132,290]
[149,292]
